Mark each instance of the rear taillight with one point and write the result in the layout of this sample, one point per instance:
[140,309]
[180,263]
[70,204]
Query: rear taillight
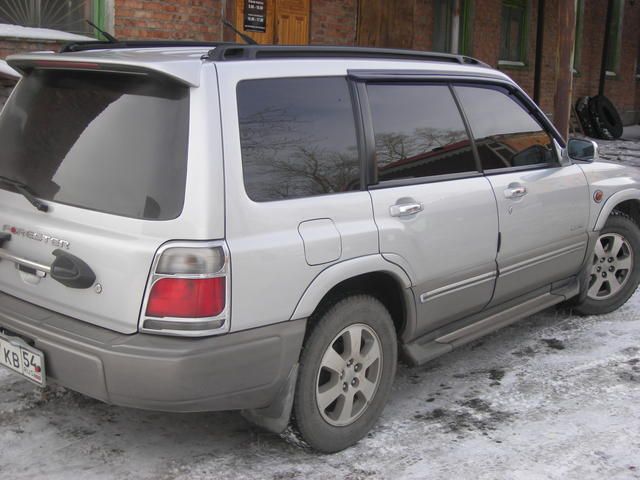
[188,290]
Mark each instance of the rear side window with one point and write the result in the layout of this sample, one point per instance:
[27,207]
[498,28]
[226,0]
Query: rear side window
[506,134]
[298,137]
[418,132]
[113,143]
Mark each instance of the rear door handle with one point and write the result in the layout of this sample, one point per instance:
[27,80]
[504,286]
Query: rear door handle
[405,209]
[515,191]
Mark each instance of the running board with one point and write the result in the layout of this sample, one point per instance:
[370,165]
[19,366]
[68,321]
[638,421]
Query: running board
[421,352]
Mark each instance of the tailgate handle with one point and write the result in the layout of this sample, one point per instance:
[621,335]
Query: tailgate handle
[71,271]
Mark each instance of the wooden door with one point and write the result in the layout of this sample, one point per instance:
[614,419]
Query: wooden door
[287,22]
[292,22]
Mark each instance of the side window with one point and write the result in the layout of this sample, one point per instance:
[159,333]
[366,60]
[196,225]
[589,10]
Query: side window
[298,137]
[506,134]
[418,131]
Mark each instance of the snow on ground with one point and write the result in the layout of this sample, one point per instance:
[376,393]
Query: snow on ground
[32,33]
[555,396]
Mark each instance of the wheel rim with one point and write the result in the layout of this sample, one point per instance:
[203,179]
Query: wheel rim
[349,375]
[612,266]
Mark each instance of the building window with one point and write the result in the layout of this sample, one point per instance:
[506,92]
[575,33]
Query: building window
[513,45]
[65,15]
[577,42]
[615,37]
[452,26]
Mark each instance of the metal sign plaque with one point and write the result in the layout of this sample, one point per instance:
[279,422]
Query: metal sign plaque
[255,16]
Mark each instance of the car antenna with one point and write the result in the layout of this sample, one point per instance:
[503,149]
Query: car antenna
[244,37]
[110,38]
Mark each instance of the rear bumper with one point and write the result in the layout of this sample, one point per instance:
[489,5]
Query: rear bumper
[243,370]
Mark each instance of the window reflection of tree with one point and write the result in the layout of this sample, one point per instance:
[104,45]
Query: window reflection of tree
[426,152]
[284,158]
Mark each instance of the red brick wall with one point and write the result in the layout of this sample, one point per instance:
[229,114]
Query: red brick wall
[164,19]
[333,22]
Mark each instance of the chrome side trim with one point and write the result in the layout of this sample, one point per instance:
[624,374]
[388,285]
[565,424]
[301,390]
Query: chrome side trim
[542,258]
[454,287]
[20,261]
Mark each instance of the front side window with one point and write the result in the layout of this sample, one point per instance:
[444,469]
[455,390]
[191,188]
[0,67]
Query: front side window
[506,134]
[418,132]
[298,137]
[513,34]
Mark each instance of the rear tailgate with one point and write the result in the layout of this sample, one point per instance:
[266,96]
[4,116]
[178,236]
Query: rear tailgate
[107,152]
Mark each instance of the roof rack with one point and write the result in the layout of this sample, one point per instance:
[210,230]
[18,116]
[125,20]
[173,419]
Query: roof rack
[104,45]
[232,52]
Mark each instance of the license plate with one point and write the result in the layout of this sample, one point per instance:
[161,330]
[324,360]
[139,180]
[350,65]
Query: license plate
[23,359]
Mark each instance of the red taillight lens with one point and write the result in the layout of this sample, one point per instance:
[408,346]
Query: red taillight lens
[187,297]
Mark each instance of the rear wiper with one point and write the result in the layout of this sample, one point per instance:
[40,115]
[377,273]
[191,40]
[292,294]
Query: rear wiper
[25,191]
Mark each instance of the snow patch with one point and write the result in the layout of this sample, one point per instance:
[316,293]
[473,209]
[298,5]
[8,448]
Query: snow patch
[32,33]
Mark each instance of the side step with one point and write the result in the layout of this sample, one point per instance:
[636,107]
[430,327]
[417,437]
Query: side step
[419,352]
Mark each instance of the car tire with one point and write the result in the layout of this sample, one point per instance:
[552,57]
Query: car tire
[605,117]
[615,266]
[334,374]
[584,115]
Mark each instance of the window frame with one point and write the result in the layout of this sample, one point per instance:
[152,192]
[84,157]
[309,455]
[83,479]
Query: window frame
[358,127]
[363,77]
[464,27]
[615,40]
[524,33]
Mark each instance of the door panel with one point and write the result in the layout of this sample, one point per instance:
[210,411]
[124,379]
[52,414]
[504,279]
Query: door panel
[449,245]
[543,229]
[292,29]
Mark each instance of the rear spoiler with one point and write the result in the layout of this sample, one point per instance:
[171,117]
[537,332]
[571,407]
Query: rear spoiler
[184,72]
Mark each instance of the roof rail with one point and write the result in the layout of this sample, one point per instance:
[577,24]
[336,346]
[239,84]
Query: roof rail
[232,52]
[104,45]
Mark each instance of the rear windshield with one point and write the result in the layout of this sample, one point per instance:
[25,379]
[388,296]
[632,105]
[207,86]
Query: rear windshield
[113,143]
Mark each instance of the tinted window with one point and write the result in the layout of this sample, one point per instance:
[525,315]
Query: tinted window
[418,132]
[298,137]
[107,142]
[506,134]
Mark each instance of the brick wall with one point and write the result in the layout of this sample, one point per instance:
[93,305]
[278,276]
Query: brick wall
[333,22]
[168,19]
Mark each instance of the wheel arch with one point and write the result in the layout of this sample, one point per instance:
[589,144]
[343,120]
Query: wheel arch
[369,275]
[627,201]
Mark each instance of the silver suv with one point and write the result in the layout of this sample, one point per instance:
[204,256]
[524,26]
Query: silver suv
[196,228]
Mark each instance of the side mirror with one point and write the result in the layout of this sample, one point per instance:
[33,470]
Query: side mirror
[582,149]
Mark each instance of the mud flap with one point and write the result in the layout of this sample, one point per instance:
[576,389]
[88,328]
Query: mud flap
[275,417]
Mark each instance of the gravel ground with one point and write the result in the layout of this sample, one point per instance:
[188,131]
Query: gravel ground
[555,396]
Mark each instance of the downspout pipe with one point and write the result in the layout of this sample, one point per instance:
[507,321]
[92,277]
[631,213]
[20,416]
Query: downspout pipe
[605,48]
[537,79]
